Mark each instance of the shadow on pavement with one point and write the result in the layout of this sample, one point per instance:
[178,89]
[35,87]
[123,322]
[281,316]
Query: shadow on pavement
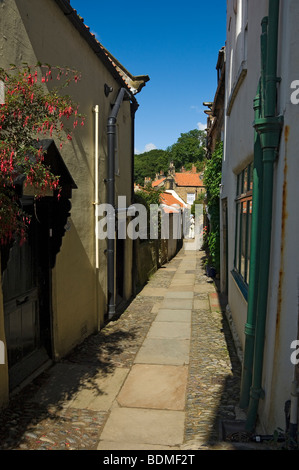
[42,405]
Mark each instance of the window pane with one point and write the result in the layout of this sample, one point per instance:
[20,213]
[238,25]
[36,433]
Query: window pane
[237,236]
[243,222]
[251,177]
[245,184]
[249,238]
[243,238]
[190,198]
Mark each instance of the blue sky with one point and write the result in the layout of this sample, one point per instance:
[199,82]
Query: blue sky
[176,44]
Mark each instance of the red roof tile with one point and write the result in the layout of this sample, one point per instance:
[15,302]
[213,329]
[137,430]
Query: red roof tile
[170,210]
[157,182]
[170,200]
[188,179]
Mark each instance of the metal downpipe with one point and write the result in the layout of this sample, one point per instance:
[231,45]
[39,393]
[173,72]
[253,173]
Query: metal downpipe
[269,128]
[246,379]
[111,132]
[253,287]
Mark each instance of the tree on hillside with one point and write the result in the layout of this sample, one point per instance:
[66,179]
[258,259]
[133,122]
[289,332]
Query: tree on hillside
[148,164]
[189,149]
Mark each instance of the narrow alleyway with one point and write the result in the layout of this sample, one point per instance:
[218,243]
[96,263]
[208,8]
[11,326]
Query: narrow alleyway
[161,376]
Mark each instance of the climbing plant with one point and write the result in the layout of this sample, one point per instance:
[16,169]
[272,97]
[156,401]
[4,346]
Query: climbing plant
[28,113]
[212,181]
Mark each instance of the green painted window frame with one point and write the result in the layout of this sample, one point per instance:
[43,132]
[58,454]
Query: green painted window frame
[243,205]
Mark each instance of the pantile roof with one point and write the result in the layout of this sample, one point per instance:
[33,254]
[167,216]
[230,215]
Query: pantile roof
[157,182]
[170,200]
[188,179]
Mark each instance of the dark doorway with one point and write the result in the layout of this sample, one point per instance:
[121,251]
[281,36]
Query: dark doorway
[27,274]
[26,288]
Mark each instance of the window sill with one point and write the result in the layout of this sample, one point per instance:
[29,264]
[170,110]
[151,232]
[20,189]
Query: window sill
[240,79]
[243,287]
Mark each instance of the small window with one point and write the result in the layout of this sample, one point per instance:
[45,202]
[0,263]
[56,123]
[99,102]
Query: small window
[190,198]
[243,227]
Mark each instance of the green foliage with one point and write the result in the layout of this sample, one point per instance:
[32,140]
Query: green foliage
[148,164]
[189,149]
[212,181]
[148,196]
[212,175]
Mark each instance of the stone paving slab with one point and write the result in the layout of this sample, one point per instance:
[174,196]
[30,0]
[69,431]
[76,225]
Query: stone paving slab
[63,382]
[51,413]
[155,387]
[163,351]
[106,445]
[184,304]
[184,276]
[175,288]
[170,329]
[179,295]
[156,307]
[81,387]
[138,426]
[182,282]
[100,394]
[167,315]
[153,291]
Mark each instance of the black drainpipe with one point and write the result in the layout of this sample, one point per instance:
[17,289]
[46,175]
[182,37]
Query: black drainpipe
[111,131]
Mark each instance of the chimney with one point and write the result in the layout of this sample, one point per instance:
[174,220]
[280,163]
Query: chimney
[171,169]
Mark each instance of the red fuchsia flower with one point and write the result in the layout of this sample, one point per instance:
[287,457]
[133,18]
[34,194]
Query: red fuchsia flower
[48,120]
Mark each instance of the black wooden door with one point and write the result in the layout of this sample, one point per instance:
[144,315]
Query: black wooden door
[21,295]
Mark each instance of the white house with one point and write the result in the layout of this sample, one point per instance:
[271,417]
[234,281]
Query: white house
[259,197]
